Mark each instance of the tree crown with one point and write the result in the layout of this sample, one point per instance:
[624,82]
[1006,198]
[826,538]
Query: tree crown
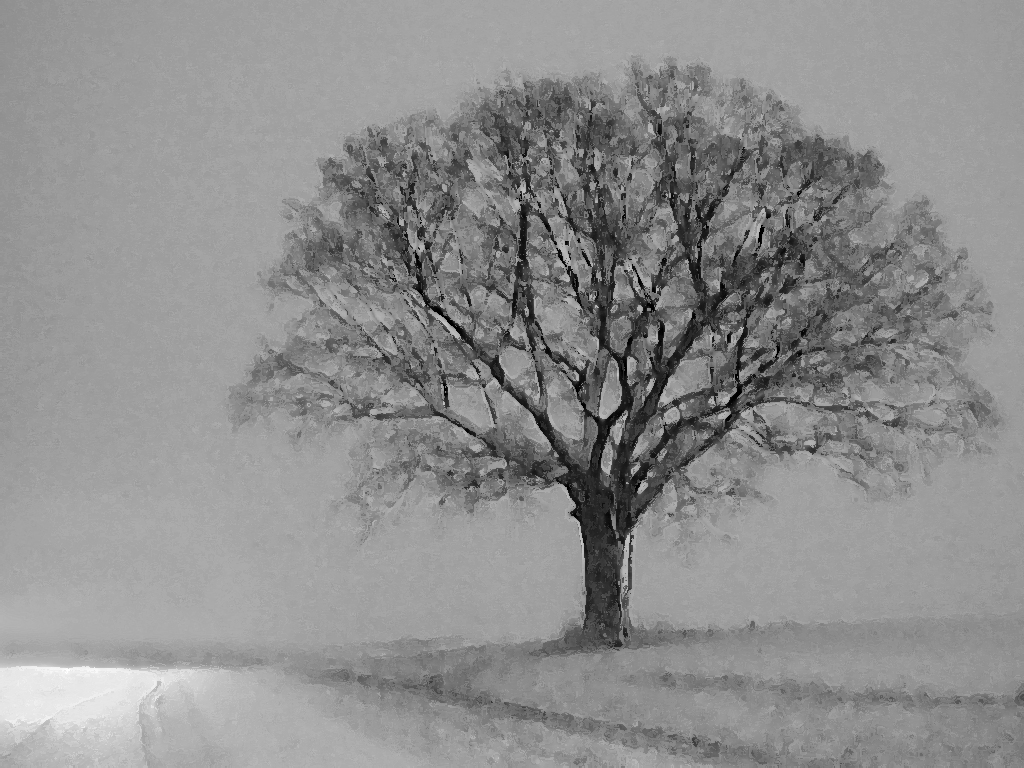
[621,289]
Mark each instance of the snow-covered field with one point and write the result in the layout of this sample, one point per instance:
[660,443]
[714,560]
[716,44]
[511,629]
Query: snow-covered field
[920,692]
[206,718]
[118,717]
[917,692]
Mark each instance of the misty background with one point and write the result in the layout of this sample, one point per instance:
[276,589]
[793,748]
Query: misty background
[144,151]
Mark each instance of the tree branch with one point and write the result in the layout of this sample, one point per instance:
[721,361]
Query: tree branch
[494,367]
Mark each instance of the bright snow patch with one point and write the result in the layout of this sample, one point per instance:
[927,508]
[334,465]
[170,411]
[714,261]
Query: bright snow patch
[117,717]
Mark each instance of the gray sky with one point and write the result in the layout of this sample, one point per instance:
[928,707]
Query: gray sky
[144,149]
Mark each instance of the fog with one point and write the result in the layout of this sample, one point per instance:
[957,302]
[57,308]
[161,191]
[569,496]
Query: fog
[144,150]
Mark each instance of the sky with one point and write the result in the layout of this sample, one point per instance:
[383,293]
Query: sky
[144,151]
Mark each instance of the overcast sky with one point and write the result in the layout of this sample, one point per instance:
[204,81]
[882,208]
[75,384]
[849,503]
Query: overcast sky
[144,151]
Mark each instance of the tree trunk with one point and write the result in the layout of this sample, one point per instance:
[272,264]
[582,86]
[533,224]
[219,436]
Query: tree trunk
[607,577]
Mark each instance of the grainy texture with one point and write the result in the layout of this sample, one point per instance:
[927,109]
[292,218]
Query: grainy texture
[639,293]
[144,149]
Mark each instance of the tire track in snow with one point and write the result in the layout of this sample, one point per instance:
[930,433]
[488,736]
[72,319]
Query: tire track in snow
[632,736]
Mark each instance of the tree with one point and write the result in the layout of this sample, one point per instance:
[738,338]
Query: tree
[629,291]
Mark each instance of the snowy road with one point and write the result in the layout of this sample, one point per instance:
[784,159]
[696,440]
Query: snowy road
[52,716]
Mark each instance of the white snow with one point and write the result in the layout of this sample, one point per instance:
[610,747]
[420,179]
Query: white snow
[52,716]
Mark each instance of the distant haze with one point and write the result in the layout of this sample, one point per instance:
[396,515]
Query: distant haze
[144,151]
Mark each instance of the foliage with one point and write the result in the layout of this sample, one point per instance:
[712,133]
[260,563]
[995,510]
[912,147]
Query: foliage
[640,290]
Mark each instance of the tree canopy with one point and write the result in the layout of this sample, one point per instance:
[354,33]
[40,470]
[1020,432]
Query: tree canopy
[632,290]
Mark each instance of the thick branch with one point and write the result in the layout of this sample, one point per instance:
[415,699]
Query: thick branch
[495,368]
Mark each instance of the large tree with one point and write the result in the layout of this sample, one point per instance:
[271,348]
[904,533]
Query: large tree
[629,290]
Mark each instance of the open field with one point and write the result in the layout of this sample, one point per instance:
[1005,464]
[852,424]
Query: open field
[186,717]
[214,718]
[921,692]
[916,692]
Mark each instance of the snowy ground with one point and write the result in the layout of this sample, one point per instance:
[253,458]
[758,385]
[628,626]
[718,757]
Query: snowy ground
[917,692]
[922,692]
[205,718]
[119,717]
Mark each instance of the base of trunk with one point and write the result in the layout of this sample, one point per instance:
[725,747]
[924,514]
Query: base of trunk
[607,575]
[597,636]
